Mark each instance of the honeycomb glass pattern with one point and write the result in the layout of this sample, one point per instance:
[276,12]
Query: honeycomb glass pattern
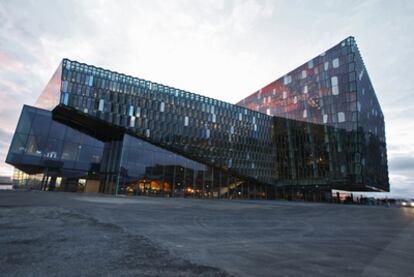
[333,90]
[205,129]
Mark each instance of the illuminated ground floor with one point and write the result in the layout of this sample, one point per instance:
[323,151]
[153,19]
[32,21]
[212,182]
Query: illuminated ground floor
[183,184]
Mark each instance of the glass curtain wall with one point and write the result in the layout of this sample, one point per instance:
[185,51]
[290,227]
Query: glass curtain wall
[206,129]
[62,156]
[153,171]
[42,145]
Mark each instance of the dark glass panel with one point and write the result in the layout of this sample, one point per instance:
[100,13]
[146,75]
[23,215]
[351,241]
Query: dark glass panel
[19,143]
[36,145]
[25,121]
[70,151]
[89,154]
[73,135]
[53,148]
[57,130]
[41,123]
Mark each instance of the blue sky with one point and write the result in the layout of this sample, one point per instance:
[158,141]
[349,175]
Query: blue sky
[222,49]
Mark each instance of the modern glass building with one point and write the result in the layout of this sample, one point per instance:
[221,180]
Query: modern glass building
[331,93]
[320,127]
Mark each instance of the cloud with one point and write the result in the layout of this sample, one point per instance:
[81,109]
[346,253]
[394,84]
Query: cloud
[9,63]
[247,13]
[11,86]
[5,139]
[401,163]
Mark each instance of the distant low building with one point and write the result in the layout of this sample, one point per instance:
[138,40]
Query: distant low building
[5,183]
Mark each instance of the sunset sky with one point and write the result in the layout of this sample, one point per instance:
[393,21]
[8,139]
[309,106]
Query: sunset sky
[222,49]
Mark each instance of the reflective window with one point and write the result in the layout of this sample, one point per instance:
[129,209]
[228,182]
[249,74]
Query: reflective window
[90,81]
[335,63]
[304,74]
[131,111]
[334,83]
[341,117]
[101,105]
[287,79]
[132,121]
[65,99]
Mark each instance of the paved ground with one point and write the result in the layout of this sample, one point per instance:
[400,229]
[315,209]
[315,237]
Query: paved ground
[44,233]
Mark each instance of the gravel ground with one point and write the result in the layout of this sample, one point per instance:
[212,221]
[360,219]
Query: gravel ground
[55,241]
[69,234]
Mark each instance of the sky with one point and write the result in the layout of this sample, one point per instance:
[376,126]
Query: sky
[222,49]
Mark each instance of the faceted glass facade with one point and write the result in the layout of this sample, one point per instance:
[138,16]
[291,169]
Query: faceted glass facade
[150,170]
[205,129]
[311,154]
[372,150]
[321,91]
[58,155]
[43,145]
[332,90]
[318,127]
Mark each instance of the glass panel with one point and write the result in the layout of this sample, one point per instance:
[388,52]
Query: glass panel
[341,117]
[41,123]
[101,105]
[70,151]
[335,63]
[50,96]
[25,121]
[19,143]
